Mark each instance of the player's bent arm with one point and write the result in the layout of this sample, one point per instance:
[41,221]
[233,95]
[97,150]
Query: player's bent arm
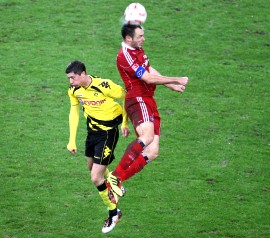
[174,87]
[73,125]
[125,116]
[153,71]
[116,91]
[124,126]
[162,80]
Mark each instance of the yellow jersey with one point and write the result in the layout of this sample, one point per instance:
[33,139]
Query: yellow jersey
[100,108]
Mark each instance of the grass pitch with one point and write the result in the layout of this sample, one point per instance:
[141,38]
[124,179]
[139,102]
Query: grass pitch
[211,178]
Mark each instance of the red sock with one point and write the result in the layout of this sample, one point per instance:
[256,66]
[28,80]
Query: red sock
[135,167]
[134,149]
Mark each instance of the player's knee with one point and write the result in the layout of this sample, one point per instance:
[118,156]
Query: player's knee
[146,132]
[95,180]
[153,155]
[147,139]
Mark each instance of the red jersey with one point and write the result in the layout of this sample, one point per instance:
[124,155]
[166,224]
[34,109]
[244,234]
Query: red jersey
[131,64]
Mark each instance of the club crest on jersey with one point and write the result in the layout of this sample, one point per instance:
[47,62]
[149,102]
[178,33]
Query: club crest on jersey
[135,67]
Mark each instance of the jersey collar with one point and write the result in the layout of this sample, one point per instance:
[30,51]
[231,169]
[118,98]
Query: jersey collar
[127,46]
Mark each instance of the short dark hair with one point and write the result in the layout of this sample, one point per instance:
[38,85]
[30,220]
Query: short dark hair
[129,30]
[77,67]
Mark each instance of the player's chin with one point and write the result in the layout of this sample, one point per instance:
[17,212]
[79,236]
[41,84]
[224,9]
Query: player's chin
[140,45]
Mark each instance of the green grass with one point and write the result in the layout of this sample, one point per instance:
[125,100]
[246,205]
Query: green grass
[211,178]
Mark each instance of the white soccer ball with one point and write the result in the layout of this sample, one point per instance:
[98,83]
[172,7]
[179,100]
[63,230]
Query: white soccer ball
[135,14]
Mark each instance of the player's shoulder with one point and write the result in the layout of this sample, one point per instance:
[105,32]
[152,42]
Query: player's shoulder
[127,55]
[97,81]
[101,84]
[73,90]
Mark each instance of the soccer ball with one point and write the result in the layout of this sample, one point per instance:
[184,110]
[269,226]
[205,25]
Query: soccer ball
[135,14]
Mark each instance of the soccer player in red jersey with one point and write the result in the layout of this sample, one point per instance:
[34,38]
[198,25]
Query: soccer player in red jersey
[140,80]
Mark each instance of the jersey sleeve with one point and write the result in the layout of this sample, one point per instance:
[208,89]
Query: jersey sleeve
[115,91]
[127,63]
[73,100]
[73,119]
[132,64]
[125,117]
[73,125]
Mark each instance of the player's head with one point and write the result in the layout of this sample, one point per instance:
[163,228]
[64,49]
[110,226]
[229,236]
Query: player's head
[77,67]
[76,72]
[133,35]
[129,30]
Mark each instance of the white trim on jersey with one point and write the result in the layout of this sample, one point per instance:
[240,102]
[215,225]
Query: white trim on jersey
[143,109]
[127,56]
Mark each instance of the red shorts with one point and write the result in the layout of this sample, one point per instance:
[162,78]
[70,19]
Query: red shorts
[143,109]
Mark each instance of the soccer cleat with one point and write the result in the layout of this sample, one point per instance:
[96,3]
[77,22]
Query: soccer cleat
[111,221]
[123,191]
[113,196]
[115,184]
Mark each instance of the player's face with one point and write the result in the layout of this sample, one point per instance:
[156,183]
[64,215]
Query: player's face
[138,39]
[75,80]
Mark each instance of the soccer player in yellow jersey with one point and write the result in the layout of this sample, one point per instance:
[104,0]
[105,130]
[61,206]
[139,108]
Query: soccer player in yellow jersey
[103,114]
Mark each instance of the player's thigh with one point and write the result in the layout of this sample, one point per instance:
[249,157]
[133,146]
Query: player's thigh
[104,149]
[145,129]
[139,110]
[152,150]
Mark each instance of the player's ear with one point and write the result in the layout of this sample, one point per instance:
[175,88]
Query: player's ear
[128,38]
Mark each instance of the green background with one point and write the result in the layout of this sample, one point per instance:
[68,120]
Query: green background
[211,178]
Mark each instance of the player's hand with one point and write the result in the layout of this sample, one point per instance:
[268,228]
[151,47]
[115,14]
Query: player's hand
[183,80]
[179,88]
[72,148]
[176,87]
[125,131]
[72,151]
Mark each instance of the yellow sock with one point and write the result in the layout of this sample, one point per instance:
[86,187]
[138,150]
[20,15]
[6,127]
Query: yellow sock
[104,195]
[107,171]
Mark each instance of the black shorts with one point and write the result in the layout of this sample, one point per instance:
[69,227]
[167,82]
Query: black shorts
[100,145]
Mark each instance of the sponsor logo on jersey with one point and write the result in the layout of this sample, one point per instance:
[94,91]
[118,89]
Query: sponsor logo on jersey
[105,84]
[107,151]
[92,103]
